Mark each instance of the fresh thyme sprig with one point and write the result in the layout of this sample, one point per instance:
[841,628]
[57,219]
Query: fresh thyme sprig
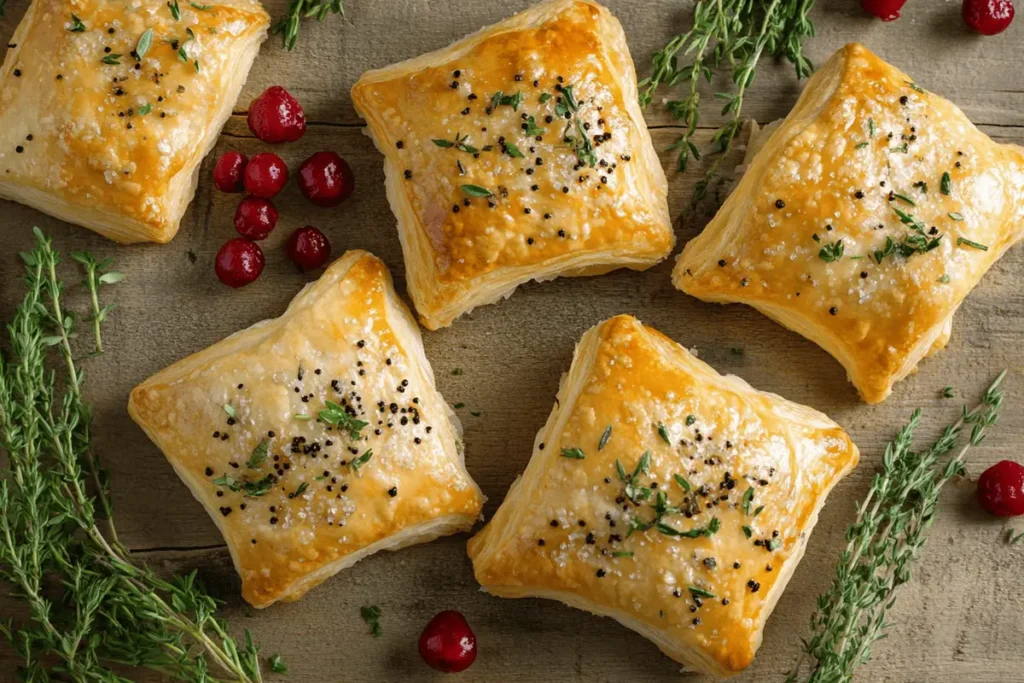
[726,33]
[304,9]
[107,611]
[890,530]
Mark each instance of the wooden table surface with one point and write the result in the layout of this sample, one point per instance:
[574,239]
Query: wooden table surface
[960,618]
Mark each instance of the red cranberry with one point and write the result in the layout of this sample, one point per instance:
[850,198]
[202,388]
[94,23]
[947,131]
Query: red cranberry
[265,175]
[1001,489]
[255,218]
[988,17]
[308,247]
[886,10]
[326,179]
[229,171]
[239,262]
[276,116]
[448,644]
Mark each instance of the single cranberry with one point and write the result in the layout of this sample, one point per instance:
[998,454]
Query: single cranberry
[448,644]
[886,10]
[308,247]
[988,17]
[229,172]
[276,116]
[255,218]
[239,262]
[265,175]
[1001,489]
[326,179]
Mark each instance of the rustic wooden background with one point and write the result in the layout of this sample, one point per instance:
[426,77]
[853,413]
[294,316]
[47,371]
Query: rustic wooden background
[961,617]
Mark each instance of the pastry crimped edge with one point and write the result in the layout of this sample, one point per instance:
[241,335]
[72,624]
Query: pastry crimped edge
[407,335]
[569,389]
[435,307]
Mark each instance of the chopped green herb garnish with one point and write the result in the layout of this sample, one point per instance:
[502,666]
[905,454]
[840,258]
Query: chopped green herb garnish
[443,143]
[201,8]
[145,109]
[334,414]
[622,553]
[1014,539]
[945,183]
[475,413]
[915,86]
[476,191]
[459,406]
[690,419]
[259,454]
[544,97]
[947,392]
[944,278]
[663,433]
[759,510]
[277,664]
[604,438]
[831,252]
[513,151]
[747,531]
[871,127]
[862,145]
[748,497]
[499,98]
[970,243]
[682,482]
[904,198]
[360,461]
[301,416]
[299,491]
[457,372]
[175,9]
[701,593]
[574,453]
[371,615]
[774,544]
[145,41]
[76,24]
[955,216]
[112,59]
[707,531]
[532,129]
[230,410]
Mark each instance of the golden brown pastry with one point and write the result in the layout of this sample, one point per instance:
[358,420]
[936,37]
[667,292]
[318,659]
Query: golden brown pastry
[863,221]
[315,439]
[517,153]
[666,496]
[108,107]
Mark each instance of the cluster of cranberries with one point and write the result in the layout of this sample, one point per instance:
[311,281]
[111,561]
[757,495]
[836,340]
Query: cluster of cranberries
[987,17]
[324,178]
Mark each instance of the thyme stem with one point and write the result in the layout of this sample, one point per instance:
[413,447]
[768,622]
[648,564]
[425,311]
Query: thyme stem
[887,536]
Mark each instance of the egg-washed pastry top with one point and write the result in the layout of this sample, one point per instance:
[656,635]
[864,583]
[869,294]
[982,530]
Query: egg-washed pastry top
[666,496]
[517,153]
[315,439]
[107,107]
[864,220]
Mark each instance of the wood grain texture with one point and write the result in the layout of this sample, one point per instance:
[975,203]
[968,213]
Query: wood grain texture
[959,619]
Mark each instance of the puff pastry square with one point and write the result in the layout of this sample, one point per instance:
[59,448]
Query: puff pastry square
[315,439]
[94,135]
[863,221]
[517,153]
[658,486]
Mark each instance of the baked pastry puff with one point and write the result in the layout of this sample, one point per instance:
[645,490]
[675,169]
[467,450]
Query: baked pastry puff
[666,496]
[863,221]
[108,107]
[315,439]
[518,153]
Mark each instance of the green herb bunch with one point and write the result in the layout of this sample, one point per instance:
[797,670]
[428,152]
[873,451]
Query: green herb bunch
[890,530]
[90,609]
[298,10]
[733,35]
